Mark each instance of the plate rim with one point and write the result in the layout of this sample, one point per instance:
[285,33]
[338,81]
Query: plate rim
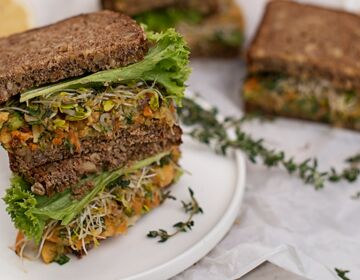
[186,259]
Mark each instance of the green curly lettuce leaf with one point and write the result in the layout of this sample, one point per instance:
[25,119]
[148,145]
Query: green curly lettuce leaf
[166,63]
[20,205]
[30,213]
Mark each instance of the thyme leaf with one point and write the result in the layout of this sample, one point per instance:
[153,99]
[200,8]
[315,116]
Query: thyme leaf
[167,195]
[342,273]
[208,128]
[192,208]
[62,259]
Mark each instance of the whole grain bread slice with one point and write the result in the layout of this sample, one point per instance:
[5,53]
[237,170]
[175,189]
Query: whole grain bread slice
[306,40]
[57,176]
[23,158]
[73,47]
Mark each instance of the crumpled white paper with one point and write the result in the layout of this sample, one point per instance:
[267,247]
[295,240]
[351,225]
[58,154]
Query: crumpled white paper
[283,221]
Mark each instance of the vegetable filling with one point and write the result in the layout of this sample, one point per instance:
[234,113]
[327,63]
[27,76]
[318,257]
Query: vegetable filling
[164,18]
[306,98]
[62,118]
[185,20]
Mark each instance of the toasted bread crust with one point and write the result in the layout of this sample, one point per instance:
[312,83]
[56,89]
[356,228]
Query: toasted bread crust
[306,40]
[73,47]
[23,158]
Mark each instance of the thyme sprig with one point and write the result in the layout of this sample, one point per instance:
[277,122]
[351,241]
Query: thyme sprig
[342,273]
[225,134]
[167,195]
[354,159]
[192,208]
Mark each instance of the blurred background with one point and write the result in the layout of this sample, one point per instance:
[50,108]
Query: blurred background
[18,15]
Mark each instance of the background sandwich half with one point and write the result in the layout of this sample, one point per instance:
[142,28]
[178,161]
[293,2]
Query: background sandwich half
[211,27]
[303,63]
[88,118]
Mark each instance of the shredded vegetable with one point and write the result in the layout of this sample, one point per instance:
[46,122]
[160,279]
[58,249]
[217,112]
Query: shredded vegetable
[308,98]
[84,111]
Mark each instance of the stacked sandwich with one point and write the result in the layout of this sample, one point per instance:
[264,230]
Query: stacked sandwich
[303,63]
[88,119]
[210,27]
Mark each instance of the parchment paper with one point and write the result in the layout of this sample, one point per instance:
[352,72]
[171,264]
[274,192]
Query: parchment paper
[284,221]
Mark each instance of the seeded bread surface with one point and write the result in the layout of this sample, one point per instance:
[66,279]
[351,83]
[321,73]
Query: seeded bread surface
[306,40]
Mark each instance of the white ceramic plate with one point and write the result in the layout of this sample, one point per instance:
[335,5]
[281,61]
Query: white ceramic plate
[218,183]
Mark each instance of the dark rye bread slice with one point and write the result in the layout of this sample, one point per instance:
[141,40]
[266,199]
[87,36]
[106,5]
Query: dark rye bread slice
[305,40]
[134,7]
[23,158]
[58,176]
[73,47]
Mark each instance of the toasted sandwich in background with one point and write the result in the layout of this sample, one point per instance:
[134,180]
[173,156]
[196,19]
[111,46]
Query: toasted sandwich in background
[210,27]
[304,63]
[87,116]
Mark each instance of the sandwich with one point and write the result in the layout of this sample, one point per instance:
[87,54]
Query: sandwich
[303,63]
[210,27]
[88,118]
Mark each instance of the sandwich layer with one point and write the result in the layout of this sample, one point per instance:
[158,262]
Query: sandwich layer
[57,176]
[23,159]
[70,48]
[76,122]
[308,41]
[309,99]
[114,204]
